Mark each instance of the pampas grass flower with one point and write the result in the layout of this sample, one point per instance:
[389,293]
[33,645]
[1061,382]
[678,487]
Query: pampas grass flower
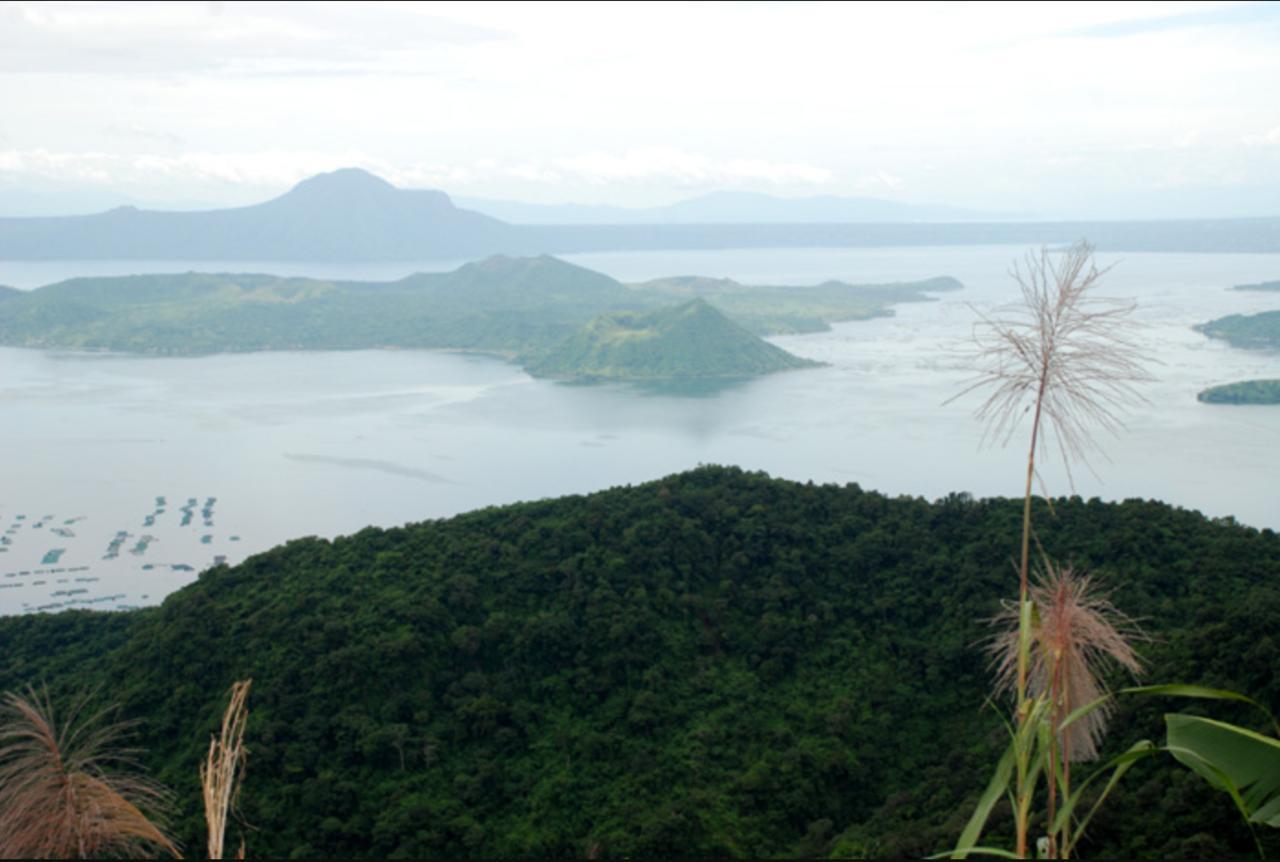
[69,790]
[1077,636]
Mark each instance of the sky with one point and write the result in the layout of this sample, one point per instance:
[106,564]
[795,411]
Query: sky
[1050,110]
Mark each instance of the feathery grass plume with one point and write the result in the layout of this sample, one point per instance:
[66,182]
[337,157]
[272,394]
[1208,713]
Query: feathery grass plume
[223,768]
[70,790]
[1064,355]
[1068,358]
[1076,632]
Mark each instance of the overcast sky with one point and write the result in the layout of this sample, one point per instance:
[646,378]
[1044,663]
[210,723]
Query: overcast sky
[1077,110]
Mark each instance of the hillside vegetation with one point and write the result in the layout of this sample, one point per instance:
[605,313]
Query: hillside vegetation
[1259,286]
[515,307]
[713,664]
[682,342]
[785,309]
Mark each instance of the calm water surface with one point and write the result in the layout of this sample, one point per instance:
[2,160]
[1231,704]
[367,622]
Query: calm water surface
[297,444]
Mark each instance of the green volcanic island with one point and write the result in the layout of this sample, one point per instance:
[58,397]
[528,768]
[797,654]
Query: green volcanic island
[1244,392]
[553,317]
[715,664]
[686,341]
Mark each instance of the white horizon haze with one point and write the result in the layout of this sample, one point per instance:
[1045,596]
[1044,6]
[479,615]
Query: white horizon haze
[1055,110]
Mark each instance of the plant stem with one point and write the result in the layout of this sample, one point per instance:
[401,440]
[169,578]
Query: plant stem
[1024,565]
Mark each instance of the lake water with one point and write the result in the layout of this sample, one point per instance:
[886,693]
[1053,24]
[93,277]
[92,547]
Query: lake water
[297,444]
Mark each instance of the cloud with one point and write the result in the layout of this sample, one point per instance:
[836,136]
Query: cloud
[672,164]
[880,179]
[1268,139]
[149,39]
[1250,15]
[137,132]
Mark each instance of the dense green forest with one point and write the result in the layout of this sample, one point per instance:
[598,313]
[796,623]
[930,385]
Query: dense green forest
[1244,392]
[713,664]
[681,342]
[1246,330]
[515,307]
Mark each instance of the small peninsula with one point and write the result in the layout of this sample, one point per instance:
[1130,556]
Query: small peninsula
[1261,286]
[1250,331]
[680,342]
[1244,392]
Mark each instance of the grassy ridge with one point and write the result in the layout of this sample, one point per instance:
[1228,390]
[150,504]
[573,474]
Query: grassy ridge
[713,664]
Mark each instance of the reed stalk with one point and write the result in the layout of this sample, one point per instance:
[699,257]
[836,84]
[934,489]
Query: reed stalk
[223,769]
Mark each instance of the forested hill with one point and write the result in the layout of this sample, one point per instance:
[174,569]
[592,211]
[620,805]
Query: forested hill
[713,664]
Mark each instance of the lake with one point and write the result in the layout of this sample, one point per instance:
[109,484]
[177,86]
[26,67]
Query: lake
[261,448]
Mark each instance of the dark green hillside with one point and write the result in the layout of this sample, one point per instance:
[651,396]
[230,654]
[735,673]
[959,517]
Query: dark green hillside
[680,342]
[712,664]
[7,292]
[1244,392]
[1246,330]
[774,310]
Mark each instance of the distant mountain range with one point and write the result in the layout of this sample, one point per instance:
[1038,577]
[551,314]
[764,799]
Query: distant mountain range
[725,208]
[348,213]
[351,214]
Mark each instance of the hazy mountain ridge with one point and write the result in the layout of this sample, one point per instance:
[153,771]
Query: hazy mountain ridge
[691,341]
[351,214]
[725,207]
[708,665]
[346,214]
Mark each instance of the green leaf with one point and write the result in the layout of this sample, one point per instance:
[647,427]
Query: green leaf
[1118,766]
[1237,760]
[995,789]
[1202,692]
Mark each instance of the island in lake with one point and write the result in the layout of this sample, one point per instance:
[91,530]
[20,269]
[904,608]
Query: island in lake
[1266,286]
[688,341]
[524,309]
[1249,331]
[1244,392]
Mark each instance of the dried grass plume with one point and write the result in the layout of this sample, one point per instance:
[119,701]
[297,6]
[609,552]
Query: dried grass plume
[223,768]
[1061,351]
[70,790]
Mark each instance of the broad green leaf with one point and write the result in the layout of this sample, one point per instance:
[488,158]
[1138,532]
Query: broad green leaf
[1238,760]
[1200,691]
